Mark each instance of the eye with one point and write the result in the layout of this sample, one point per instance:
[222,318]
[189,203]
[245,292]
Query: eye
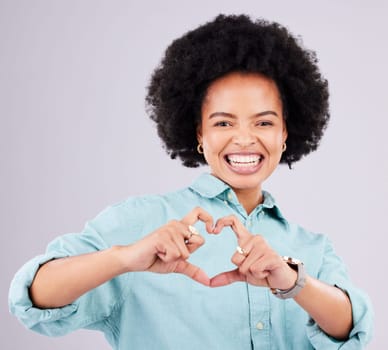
[264,123]
[222,123]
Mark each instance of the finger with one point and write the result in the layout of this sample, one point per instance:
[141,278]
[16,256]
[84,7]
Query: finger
[192,231]
[188,235]
[226,278]
[257,274]
[183,230]
[254,257]
[167,250]
[254,280]
[199,214]
[232,221]
[192,271]
[179,241]
[252,248]
[238,257]
[258,267]
[194,243]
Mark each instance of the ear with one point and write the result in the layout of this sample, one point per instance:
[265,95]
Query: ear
[285,134]
[199,133]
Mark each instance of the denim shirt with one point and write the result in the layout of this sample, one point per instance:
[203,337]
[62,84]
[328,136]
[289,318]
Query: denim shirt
[143,310]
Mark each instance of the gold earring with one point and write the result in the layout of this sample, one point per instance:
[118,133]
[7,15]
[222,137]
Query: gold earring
[284,147]
[200,149]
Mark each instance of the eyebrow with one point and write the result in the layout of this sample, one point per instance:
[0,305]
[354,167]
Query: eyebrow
[230,115]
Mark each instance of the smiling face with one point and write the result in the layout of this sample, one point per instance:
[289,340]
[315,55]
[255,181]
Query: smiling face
[242,130]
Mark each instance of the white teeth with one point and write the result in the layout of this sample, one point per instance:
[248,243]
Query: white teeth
[244,161]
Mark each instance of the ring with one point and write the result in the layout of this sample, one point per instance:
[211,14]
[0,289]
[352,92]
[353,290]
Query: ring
[187,238]
[241,250]
[193,230]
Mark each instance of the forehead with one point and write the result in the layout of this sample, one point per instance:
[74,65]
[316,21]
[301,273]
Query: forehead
[244,88]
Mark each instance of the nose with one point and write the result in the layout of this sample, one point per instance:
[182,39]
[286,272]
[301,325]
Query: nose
[244,137]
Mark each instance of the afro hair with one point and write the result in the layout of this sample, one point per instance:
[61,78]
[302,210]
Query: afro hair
[236,43]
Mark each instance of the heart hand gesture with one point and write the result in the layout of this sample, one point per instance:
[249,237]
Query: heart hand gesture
[167,249]
[257,263]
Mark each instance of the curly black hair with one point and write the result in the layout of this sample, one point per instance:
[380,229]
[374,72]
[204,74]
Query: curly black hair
[236,43]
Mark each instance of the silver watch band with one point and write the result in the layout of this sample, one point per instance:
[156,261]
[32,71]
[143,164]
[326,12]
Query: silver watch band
[299,283]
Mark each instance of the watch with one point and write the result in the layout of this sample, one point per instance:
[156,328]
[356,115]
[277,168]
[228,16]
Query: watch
[300,282]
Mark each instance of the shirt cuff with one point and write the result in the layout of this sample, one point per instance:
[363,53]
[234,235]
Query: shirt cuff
[361,332]
[20,303]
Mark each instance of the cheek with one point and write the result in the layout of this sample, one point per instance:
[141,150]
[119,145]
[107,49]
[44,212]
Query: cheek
[212,142]
[273,142]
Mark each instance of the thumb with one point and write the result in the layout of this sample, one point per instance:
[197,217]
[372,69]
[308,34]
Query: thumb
[192,271]
[226,278]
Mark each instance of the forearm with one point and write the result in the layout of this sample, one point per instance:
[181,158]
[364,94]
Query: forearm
[329,307]
[61,281]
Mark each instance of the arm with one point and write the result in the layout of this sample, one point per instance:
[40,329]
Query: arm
[328,306]
[259,265]
[61,281]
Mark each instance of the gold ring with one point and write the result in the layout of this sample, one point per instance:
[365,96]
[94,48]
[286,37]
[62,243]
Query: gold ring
[193,230]
[241,250]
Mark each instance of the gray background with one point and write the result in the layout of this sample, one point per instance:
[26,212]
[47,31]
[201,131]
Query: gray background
[75,137]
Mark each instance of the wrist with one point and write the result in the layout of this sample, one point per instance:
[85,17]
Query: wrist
[299,283]
[119,256]
[291,281]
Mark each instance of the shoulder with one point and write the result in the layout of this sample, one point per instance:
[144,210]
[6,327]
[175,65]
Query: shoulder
[306,245]
[306,235]
[292,230]
[155,202]
[137,204]
[139,215]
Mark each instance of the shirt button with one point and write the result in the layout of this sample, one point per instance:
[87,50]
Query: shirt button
[230,197]
[260,326]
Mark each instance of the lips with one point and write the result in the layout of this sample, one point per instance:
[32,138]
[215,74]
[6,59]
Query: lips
[244,163]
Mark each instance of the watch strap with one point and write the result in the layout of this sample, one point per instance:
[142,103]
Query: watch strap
[300,282]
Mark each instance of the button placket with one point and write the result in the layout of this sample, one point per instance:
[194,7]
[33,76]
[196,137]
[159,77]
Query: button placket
[248,222]
[237,210]
[259,326]
[259,316]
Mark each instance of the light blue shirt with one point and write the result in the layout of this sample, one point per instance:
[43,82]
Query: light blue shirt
[143,310]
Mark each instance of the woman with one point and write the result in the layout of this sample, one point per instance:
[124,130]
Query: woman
[241,96]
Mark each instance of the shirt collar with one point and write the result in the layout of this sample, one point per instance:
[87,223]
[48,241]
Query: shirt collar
[209,186]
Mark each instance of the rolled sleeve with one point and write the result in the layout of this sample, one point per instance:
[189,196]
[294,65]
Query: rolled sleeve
[89,310]
[20,303]
[333,272]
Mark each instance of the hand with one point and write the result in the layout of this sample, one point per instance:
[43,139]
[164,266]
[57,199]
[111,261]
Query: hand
[256,262]
[167,249]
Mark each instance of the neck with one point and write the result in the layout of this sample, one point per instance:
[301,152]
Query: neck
[249,198]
